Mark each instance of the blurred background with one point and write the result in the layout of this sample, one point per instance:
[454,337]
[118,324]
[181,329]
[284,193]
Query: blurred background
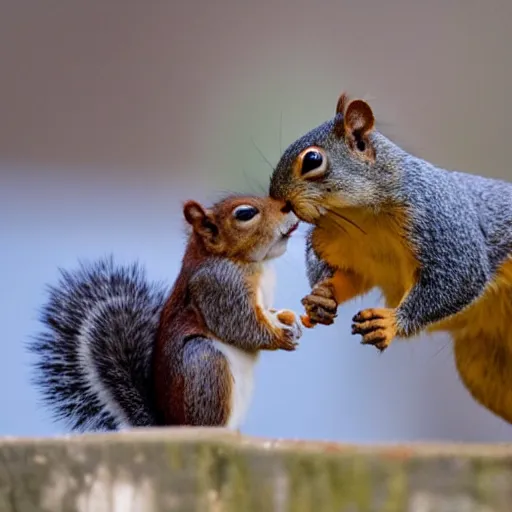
[112,113]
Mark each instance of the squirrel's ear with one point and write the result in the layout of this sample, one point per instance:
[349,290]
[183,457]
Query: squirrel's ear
[358,123]
[193,212]
[339,125]
[358,118]
[201,220]
[342,103]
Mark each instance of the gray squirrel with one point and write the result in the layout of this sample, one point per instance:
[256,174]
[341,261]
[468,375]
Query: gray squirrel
[437,243]
[118,351]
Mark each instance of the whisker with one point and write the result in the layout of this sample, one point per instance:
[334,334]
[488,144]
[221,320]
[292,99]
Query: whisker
[314,201]
[254,183]
[442,349]
[263,156]
[339,224]
[346,219]
[333,220]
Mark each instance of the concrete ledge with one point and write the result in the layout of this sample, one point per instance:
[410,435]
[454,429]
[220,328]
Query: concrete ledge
[214,470]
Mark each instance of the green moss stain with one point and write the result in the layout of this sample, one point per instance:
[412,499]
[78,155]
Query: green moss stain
[225,476]
[174,455]
[236,489]
[325,483]
[396,488]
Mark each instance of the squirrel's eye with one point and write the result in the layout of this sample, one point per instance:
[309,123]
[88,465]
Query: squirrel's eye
[311,160]
[245,213]
[313,163]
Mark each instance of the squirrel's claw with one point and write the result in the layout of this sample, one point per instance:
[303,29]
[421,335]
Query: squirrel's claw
[376,326]
[320,306]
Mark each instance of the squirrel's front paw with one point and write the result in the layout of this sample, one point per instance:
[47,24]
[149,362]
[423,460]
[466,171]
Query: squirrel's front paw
[321,306]
[377,326]
[289,329]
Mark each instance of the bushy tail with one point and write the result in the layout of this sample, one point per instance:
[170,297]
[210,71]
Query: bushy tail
[93,358]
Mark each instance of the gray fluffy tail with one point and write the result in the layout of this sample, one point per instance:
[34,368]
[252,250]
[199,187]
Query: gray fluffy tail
[93,358]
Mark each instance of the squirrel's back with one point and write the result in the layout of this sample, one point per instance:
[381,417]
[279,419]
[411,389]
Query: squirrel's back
[93,358]
[468,209]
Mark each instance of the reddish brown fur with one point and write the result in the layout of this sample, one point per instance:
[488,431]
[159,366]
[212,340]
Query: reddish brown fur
[359,122]
[342,103]
[180,320]
[359,116]
[232,242]
[339,128]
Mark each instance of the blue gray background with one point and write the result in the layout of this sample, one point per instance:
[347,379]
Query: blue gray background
[113,113]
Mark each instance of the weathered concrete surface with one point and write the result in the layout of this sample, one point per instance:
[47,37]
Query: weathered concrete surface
[214,470]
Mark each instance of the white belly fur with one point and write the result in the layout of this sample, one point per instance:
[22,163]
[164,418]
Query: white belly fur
[242,363]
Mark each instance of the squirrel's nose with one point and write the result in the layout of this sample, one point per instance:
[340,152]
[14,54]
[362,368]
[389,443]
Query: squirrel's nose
[287,208]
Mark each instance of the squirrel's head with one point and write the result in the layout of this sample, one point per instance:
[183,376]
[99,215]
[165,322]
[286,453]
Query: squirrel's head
[246,228]
[333,166]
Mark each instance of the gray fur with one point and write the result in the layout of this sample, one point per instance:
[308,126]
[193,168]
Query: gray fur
[219,288]
[204,370]
[316,269]
[93,357]
[461,223]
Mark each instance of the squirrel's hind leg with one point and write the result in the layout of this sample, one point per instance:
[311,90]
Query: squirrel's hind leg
[485,368]
[207,384]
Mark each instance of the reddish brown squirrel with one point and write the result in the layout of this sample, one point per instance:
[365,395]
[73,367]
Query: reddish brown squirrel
[117,353]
